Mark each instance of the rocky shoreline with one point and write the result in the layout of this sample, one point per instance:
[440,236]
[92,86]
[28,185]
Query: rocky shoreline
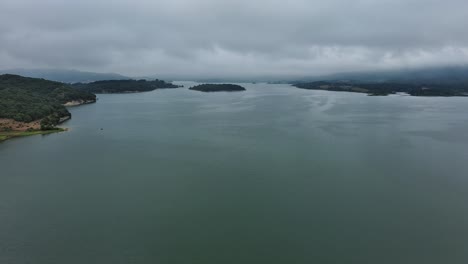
[78,102]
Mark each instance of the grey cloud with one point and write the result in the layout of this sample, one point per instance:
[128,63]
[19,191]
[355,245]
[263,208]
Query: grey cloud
[209,38]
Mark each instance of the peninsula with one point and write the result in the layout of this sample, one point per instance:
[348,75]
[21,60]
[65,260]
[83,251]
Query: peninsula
[31,106]
[123,86]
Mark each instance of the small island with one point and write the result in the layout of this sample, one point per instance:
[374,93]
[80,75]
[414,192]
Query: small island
[123,86]
[32,106]
[217,88]
[387,88]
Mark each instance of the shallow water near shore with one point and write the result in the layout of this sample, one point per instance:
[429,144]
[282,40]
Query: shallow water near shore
[274,174]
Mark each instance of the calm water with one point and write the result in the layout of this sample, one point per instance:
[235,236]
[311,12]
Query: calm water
[272,175]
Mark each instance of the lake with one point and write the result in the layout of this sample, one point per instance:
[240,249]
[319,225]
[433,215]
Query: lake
[275,174]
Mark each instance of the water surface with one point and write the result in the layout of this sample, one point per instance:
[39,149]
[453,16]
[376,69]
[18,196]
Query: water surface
[275,174]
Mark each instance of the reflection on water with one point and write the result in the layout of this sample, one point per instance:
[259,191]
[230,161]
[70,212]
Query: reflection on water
[271,175]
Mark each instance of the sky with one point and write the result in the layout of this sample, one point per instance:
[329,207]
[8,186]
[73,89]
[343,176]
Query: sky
[232,38]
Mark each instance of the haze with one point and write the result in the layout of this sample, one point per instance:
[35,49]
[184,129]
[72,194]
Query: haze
[232,38]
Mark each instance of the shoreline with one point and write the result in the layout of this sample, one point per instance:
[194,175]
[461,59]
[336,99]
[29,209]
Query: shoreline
[33,128]
[78,103]
[5,135]
[381,89]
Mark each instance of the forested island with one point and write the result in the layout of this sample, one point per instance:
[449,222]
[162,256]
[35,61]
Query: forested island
[123,86]
[35,106]
[217,88]
[386,88]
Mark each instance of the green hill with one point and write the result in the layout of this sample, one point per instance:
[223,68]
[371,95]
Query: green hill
[123,86]
[28,99]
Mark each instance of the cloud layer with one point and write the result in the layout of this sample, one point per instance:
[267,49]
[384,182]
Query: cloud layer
[232,38]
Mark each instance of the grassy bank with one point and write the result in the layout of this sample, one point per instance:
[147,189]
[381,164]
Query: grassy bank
[4,135]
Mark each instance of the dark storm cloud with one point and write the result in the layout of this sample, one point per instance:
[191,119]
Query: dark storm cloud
[232,37]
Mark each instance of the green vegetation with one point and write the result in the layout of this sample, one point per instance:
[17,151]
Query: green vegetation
[123,86]
[218,88]
[4,135]
[27,99]
[386,88]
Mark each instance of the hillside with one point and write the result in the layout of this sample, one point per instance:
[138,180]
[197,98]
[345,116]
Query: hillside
[123,86]
[25,100]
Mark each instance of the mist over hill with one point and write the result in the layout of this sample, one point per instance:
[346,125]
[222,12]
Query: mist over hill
[433,75]
[64,75]
[436,81]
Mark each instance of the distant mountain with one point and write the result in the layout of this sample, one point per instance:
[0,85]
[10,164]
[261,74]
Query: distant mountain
[66,76]
[386,88]
[432,75]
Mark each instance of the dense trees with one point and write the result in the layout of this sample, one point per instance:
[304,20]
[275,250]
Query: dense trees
[49,122]
[28,99]
[123,86]
[217,88]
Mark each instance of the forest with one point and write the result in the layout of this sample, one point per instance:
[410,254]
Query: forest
[28,99]
[123,86]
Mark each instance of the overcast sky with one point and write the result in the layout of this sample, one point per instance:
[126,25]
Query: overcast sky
[232,38]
